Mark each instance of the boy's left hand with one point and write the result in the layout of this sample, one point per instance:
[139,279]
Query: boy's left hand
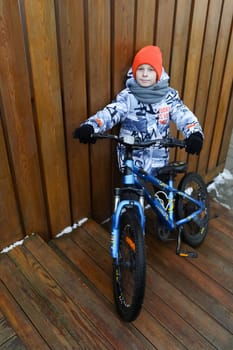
[194,143]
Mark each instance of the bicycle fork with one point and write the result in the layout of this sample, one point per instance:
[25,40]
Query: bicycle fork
[119,206]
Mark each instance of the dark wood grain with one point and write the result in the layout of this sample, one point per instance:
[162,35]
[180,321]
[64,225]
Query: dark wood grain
[62,62]
[59,296]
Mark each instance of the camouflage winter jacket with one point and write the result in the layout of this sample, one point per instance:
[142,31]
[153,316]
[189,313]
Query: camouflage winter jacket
[146,121]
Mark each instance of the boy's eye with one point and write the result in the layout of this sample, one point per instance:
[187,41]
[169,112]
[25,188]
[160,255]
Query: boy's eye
[150,69]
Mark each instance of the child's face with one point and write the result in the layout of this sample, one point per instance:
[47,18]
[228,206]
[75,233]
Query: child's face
[146,75]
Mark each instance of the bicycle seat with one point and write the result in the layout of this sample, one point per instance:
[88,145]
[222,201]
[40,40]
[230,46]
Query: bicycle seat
[173,168]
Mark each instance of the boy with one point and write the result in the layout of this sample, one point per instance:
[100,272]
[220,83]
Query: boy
[144,110]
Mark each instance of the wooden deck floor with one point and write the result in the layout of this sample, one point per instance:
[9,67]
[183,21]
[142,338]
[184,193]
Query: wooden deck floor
[59,296]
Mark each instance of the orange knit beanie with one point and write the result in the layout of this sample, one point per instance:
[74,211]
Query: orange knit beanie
[148,55]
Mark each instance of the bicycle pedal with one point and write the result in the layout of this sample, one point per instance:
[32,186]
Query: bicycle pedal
[187,254]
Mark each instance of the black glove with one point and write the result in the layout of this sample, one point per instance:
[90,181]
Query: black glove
[84,134]
[194,143]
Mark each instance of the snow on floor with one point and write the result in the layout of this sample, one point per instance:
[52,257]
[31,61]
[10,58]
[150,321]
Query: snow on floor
[12,246]
[222,188]
[65,231]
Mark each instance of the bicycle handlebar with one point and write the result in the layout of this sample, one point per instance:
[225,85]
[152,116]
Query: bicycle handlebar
[130,141]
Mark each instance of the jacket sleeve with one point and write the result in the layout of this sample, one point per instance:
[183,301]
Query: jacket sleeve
[184,119]
[110,115]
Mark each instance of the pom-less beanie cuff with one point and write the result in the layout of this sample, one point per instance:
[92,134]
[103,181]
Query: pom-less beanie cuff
[148,55]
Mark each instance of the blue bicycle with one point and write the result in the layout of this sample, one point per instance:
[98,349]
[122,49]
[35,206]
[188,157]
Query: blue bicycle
[183,210]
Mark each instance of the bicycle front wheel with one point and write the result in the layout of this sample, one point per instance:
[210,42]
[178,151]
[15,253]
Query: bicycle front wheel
[130,271]
[195,231]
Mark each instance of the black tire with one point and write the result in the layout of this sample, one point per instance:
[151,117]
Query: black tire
[130,272]
[195,231]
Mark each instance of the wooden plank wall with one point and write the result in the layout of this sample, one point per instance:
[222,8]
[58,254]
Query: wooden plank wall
[61,61]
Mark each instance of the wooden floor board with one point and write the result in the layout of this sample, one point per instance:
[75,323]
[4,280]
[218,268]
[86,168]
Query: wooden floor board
[202,318]
[189,311]
[59,295]
[8,337]
[98,311]
[195,284]
[6,332]
[36,308]
[103,269]
[19,321]
[216,266]
[14,343]
[69,315]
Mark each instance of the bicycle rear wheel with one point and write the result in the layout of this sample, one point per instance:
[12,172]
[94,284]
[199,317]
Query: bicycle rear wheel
[195,231]
[130,271]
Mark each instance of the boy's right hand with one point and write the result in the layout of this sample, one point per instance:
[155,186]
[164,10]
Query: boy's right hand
[84,134]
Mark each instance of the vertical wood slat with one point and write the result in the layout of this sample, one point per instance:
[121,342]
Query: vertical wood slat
[163,38]
[179,52]
[10,224]
[123,40]
[98,15]
[78,55]
[222,107]
[145,18]
[41,32]
[193,60]
[194,52]
[208,51]
[73,77]
[164,30]
[215,85]
[227,131]
[18,123]
[206,67]
[123,13]
[180,44]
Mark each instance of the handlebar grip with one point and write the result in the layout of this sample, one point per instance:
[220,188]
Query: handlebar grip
[172,142]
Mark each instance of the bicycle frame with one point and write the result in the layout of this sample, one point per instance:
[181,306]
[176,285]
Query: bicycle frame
[131,178]
[168,216]
[128,219]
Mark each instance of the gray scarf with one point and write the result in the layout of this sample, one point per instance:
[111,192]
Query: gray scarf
[151,94]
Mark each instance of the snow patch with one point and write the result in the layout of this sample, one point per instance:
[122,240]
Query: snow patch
[65,231]
[221,178]
[12,246]
[222,188]
[106,221]
[226,175]
[69,229]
